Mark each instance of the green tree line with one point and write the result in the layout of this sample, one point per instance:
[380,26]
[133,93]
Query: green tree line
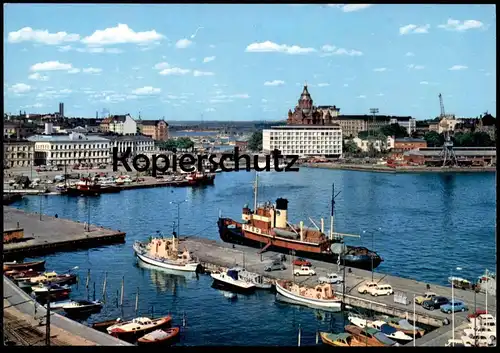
[180,144]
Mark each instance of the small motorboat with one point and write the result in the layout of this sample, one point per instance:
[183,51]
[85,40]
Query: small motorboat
[14,265]
[341,339]
[82,307]
[58,304]
[167,336]
[103,325]
[57,292]
[389,331]
[407,328]
[370,336]
[130,330]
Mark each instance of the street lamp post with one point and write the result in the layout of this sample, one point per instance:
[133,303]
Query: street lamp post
[453,306]
[178,203]
[373,245]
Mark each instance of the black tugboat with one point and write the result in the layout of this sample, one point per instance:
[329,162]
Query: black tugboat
[267,227]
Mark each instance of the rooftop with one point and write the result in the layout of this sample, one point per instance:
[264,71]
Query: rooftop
[408,139]
[128,138]
[459,151]
[370,117]
[152,122]
[305,127]
[66,138]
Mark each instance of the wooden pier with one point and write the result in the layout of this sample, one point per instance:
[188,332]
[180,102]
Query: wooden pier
[216,254]
[48,234]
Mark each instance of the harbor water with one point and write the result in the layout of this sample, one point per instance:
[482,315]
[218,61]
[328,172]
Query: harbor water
[423,225]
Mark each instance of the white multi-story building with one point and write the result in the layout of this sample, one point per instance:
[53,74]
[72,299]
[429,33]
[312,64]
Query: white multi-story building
[410,124]
[123,125]
[138,144]
[304,140]
[364,145]
[70,149]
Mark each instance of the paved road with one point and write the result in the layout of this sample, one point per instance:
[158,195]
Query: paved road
[25,304]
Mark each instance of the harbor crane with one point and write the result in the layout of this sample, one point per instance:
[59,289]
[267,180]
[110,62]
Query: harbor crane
[447,154]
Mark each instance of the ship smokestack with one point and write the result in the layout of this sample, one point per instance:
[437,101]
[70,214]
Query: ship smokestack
[322,225]
[301,230]
[281,213]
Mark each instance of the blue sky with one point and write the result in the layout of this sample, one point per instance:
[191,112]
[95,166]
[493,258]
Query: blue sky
[249,62]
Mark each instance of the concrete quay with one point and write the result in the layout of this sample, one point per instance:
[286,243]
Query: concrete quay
[53,234]
[23,315]
[214,254]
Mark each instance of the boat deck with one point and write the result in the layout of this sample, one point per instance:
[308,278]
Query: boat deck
[213,254]
[53,234]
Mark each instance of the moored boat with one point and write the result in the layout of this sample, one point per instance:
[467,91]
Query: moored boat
[14,265]
[81,307]
[381,326]
[370,336]
[138,327]
[404,326]
[258,280]
[165,253]
[166,336]
[56,305]
[56,292]
[197,178]
[230,280]
[321,296]
[103,325]
[267,227]
[340,339]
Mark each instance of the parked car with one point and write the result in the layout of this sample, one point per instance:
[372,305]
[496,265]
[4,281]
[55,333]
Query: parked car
[381,289]
[435,303]
[304,271]
[479,340]
[275,266]
[422,298]
[476,314]
[331,278]
[488,331]
[364,288]
[456,343]
[454,306]
[301,262]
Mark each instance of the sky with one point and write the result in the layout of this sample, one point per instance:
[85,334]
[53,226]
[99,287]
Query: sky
[248,62]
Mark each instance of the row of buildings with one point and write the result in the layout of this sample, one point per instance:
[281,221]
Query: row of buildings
[71,149]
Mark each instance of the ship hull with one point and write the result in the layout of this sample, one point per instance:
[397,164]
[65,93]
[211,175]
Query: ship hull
[189,267]
[236,236]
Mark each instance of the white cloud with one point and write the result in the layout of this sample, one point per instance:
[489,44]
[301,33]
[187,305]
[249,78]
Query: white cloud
[38,77]
[263,100]
[20,88]
[380,69]
[323,84]
[211,46]
[74,71]
[183,43]
[36,105]
[215,100]
[352,7]
[268,46]
[121,34]
[92,70]
[380,94]
[192,60]
[361,97]
[241,95]
[410,54]
[210,110]
[416,67]
[346,85]
[161,66]
[274,83]
[457,67]
[197,73]
[51,66]
[333,50]
[99,50]
[416,29]
[424,82]
[208,59]
[456,25]
[65,48]
[28,34]
[175,71]
[146,90]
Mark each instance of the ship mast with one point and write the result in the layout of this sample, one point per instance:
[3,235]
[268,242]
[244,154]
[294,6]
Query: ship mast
[331,215]
[255,189]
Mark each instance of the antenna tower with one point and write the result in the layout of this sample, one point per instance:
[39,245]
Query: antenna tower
[447,154]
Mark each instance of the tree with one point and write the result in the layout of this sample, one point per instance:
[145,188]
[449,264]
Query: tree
[395,130]
[168,145]
[434,139]
[482,139]
[255,141]
[184,143]
[350,147]
[463,139]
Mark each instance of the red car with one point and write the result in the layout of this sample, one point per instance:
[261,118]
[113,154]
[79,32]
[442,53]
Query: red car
[302,262]
[476,314]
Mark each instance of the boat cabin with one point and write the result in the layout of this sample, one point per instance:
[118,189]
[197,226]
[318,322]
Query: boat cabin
[321,291]
[167,249]
[142,321]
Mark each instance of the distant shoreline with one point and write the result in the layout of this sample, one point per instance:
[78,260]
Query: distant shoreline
[384,169]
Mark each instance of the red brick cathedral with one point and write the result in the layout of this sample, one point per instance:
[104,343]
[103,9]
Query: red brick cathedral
[305,113]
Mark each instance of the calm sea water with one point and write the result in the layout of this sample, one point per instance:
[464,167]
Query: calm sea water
[429,224]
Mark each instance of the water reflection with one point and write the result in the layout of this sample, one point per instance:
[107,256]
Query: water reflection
[166,280]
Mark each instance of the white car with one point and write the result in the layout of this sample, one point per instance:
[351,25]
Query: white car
[488,331]
[381,289]
[304,271]
[456,343]
[363,289]
[331,278]
[480,340]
